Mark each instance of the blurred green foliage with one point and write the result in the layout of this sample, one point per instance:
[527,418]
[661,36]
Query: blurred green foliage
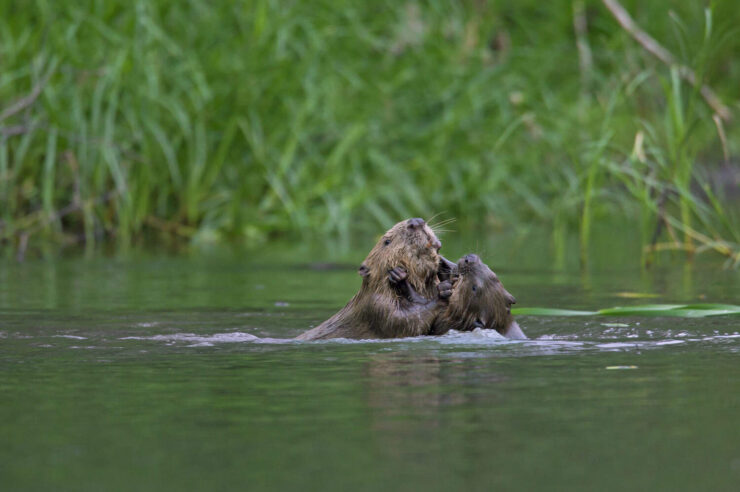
[250,119]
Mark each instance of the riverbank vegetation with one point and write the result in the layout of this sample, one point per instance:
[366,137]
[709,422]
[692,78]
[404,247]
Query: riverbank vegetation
[244,121]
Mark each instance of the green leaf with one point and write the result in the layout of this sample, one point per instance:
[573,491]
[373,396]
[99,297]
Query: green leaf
[651,309]
[674,310]
[539,311]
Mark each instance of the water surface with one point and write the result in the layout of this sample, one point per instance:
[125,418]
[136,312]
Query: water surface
[151,372]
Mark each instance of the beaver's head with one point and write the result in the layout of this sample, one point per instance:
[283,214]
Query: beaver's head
[410,244]
[479,299]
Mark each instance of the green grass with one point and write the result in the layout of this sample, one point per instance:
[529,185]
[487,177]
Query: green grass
[242,121]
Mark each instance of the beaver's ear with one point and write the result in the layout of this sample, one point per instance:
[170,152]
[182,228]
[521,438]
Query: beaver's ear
[363,271]
[509,301]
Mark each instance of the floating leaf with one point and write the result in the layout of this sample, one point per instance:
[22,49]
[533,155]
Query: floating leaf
[645,309]
[538,311]
[725,307]
[675,310]
[635,295]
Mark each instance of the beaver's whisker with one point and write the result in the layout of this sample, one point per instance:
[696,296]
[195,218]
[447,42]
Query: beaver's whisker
[429,221]
[484,253]
[440,231]
[441,223]
[444,222]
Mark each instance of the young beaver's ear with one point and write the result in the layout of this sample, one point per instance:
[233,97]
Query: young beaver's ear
[363,271]
[509,301]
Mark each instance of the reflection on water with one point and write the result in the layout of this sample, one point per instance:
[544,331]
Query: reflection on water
[174,373]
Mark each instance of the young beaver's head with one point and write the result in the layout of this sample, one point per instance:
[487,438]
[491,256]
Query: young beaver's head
[410,244]
[478,299]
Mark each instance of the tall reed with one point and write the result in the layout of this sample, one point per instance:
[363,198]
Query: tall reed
[248,120]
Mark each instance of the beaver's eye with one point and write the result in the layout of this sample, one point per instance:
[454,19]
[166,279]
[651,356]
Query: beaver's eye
[475,288]
[387,242]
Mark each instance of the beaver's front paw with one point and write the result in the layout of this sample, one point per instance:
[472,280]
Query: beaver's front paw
[444,290]
[397,275]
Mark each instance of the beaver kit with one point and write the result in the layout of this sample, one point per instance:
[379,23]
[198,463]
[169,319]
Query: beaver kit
[478,300]
[409,289]
[401,294]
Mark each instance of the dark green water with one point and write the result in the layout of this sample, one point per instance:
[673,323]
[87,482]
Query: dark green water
[145,374]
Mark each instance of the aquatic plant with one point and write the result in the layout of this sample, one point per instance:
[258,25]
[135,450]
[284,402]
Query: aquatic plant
[674,310]
[245,121]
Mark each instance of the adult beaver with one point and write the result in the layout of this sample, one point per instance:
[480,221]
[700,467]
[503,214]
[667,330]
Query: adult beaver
[401,293]
[478,300]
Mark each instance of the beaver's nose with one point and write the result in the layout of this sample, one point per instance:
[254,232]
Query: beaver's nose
[436,244]
[415,223]
[471,258]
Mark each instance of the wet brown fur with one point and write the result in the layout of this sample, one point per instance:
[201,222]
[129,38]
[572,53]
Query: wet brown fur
[478,300]
[380,309]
